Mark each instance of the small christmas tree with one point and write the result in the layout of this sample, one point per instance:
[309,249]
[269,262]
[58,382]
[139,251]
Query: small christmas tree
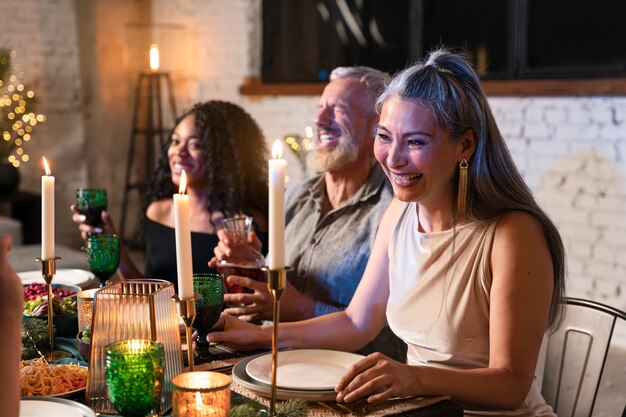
[17,116]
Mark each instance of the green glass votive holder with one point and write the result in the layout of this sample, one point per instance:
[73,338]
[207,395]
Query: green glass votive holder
[135,376]
[201,394]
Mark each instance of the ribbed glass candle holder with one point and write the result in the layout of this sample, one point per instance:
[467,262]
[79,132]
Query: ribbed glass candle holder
[133,309]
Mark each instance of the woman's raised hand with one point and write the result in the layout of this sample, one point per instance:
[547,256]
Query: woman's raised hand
[84,228]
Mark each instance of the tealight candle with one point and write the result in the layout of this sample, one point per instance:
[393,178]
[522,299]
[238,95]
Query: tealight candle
[201,394]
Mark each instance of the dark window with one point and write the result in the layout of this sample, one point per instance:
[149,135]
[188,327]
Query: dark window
[303,40]
[576,38]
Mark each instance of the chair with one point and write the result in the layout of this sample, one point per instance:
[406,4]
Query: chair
[575,356]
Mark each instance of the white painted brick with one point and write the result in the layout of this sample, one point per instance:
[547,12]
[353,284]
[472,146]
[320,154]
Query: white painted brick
[555,116]
[580,250]
[571,132]
[606,219]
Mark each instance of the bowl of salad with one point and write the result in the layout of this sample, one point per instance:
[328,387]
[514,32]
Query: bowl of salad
[83,341]
[64,306]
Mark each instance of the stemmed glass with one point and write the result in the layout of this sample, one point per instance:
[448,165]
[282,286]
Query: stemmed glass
[135,376]
[103,255]
[208,309]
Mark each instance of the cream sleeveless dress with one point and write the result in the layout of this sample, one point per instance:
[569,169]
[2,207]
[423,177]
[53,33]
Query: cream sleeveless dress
[442,312]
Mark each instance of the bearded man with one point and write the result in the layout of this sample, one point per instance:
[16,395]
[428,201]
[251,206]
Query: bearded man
[331,219]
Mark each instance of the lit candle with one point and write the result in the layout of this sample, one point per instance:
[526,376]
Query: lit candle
[47,214]
[201,394]
[183,240]
[154,57]
[276,171]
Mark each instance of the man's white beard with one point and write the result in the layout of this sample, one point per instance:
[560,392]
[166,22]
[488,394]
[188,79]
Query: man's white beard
[346,151]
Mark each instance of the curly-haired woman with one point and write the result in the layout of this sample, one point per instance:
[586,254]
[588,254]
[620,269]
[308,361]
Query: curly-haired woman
[222,151]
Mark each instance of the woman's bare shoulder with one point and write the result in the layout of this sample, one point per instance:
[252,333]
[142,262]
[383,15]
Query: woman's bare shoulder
[159,210]
[518,225]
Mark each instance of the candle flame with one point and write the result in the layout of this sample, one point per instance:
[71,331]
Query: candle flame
[183,183]
[154,57]
[199,403]
[46,166]
[277,149]
[135,346]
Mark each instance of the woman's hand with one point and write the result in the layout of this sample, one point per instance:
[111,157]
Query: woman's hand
[84,228]
[378,377]
[256,306]
[259,305]
[239,335]
[224,249]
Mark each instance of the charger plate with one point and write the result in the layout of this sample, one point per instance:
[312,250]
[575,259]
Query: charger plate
[303,369]
[241,377]
[53,407]
[78,277]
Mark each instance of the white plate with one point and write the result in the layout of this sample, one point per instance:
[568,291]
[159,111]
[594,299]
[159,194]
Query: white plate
[240,376]
[53,407]
[63,276]
[303,369]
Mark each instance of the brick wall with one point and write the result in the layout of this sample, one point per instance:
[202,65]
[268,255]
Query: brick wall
[572,150]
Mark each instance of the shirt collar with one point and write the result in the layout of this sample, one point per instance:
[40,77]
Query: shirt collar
[375,180]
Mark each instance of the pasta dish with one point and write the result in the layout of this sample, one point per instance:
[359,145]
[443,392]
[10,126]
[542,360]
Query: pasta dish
[40,378]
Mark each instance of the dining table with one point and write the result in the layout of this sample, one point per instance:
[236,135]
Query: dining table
[436,406]
[224,360]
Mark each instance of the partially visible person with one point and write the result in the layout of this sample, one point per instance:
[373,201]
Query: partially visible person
[467,269]
[11,309]
[332,218]
[223,153]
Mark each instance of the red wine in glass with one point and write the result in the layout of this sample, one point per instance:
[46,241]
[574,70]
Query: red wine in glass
[90,202]
[228,269]
[93,215]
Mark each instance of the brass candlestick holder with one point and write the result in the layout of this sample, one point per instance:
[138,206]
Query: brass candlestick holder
[276,284]
[187,312]
[48,270]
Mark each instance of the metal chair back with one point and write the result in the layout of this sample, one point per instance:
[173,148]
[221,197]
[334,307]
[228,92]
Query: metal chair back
[575,356]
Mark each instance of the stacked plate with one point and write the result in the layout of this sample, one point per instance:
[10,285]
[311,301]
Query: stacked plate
[309,374]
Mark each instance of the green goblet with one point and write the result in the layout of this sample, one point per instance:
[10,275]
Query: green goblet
[135,377]
[103,255]
[208,309]
[90,202]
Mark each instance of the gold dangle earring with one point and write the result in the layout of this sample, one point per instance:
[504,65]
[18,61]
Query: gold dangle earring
[462,195]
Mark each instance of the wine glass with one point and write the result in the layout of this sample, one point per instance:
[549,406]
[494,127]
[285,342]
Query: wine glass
[210,287]
[90,202]
[103,255]
[245,260]
[134,374]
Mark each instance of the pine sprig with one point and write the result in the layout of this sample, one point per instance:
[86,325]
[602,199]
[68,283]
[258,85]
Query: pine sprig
[289,408]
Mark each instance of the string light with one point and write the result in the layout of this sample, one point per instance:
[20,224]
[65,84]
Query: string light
[17,119]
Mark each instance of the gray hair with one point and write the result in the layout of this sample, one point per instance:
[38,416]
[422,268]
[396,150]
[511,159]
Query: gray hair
[447,85]
[374,79]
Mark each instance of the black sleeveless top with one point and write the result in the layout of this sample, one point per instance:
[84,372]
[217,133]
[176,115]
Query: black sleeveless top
[161,251]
